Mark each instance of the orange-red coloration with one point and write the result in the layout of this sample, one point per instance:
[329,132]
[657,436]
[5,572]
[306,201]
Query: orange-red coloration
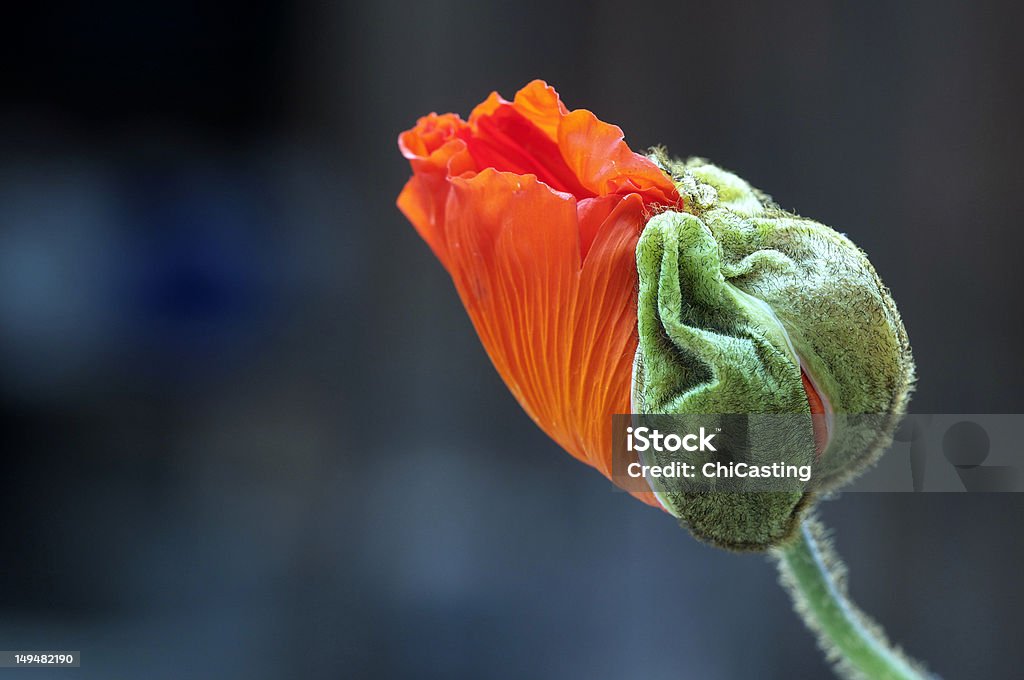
[535,212]
[818,418]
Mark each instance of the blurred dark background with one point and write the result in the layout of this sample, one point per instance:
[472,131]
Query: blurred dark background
[250,432]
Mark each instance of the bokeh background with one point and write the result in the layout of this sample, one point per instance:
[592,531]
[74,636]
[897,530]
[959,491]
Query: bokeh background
[249,430]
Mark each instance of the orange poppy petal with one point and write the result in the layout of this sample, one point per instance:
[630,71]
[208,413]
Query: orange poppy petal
[535,211]
[560,332]
[431,145]
[422,202]
[604,163]
[508,141]
[434,152]
[605,335]
[540,104]
[537,102]
[486,107]
[591,213]
[514,256]
[569,151]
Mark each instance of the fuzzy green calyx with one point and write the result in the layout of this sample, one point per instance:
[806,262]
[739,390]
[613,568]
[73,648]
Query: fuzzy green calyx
[737,300]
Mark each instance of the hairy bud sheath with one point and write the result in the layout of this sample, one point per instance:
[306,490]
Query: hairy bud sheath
[745,308]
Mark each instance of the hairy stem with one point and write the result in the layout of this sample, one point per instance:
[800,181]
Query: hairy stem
[815,578]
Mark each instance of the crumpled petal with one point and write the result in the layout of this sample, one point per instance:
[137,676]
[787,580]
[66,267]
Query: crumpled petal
[562,335]
[538,225]
[435,153]
[585,156]
[597,154]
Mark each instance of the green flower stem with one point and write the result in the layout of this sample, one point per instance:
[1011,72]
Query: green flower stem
[815,578]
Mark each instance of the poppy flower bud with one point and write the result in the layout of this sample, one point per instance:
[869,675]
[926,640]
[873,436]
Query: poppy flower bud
[744,308]
[601,281]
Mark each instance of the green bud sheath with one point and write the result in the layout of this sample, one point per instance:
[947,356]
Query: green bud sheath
[737,301]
